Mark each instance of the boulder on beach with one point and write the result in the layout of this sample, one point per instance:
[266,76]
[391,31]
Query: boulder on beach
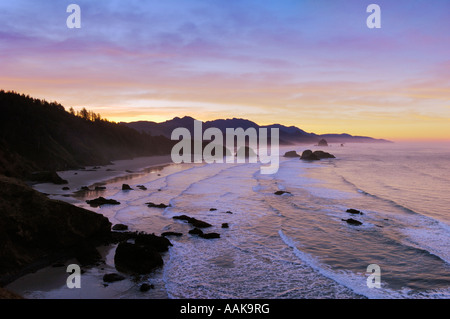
[150,204]
[291,154]
[354,211]
[352,221]
[126,187]
[133,258]
[102,201]
[281,192]
[193,221]
[225,225]
[322,154]
[322,142]
[196,231]
[309,155]
[142,187]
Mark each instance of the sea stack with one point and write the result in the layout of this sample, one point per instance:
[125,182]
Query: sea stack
[322,142]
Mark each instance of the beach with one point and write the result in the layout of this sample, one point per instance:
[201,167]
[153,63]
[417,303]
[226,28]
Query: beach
[294,245]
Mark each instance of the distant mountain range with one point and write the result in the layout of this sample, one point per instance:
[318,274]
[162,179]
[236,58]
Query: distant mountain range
[288,134]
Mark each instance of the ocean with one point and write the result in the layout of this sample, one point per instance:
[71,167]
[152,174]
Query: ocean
[295,245]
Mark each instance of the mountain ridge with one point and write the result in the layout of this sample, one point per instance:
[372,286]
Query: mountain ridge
[288,134]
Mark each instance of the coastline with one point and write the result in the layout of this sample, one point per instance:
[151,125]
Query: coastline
[45,275]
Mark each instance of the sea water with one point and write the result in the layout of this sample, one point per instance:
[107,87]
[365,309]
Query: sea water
[298,245]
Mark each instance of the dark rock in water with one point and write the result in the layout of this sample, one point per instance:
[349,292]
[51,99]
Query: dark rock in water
[196,231]
[150,204]
[160,244]
[281,192]
[171,233]
[212,209]
[146,287]
[352,221]
[322,142]
[120,227]
[354,211]
[225,225]
[47,177]
[133,258]
[126,187]
[228,212]
[210,235]
[85,188]
[65,188]
[159,189]
[102,201]
[308,155]
[112,277]
[142,187]
[193,221]
[100,188]
[322,154]
[291,154]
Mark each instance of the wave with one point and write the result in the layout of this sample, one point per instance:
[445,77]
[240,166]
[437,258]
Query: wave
[355,282]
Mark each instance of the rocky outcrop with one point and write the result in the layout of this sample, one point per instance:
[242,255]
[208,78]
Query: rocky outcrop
[35,229]
[102,201]
[309,155]
[246,152]
[126,187]
[120,227]
[352,221]
[193,221]
[281,193]
[322,142]
[150,204]
[291,154]
[134,258]
[354,211]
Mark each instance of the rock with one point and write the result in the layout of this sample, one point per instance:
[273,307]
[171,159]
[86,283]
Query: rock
[102,201]
[281,192]
[33,227]
[291,154]
[85,188]
[171,233]
[133,258]
[150,204]
[210,235]
[246,152]
[225,225]
[352,221]
[47,177]
[65,188]
[146,287]
[100,188]
[196,231]
[87,254]
[142,187]
[193,221]
[322,154]
[354,211]
[228,212]
[112,277]
[160,244]
[212,209]
[308,155]
[322,142]
[120,227]
[126,187]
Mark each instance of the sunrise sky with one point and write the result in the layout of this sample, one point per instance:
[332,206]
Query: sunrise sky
[312,64]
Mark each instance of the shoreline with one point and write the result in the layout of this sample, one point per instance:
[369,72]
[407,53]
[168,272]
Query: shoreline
[44,276]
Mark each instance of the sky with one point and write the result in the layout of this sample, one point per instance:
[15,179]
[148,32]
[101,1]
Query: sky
[312,64]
